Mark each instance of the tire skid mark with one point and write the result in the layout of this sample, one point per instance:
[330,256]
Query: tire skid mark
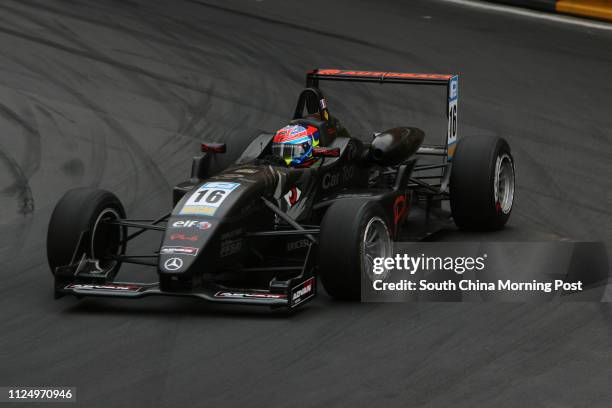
[237,52]
[149,90]
[299,27]
[244,52]
[32,151]
[179,27]
[72,37]
[99,145]
[49,113]
[195,113]
[118,131]
[38,99]
[20,187]
[123,29]
[15,232]
[151,160]
[41,21]
[135,151]
[21,172]
[124,66]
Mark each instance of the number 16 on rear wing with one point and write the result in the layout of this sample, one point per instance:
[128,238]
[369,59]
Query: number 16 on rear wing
[451,82]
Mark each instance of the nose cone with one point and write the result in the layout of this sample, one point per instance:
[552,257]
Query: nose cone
[199,232]
[191,244]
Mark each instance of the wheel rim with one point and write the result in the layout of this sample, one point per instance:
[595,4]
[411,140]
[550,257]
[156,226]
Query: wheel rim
[106,240]
[504,184]
[376,243]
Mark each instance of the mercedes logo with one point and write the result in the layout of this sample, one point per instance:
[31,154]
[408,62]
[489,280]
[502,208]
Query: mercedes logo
[173,264]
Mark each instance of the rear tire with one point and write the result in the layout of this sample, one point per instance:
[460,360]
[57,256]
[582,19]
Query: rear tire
[81,210]
[482,183]
[346,245]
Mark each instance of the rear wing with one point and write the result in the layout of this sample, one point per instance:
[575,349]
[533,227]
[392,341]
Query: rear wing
[451,82]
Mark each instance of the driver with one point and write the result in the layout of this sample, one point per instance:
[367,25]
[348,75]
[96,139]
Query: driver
[295,143]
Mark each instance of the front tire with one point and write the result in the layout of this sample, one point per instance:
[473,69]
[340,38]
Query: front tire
[81,213]
[482,183]
[353,232]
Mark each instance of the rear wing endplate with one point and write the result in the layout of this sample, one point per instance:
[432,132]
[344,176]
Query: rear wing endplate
[451,82]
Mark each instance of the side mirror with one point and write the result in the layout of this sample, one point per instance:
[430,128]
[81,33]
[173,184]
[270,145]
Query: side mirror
[326,152]
[213,147]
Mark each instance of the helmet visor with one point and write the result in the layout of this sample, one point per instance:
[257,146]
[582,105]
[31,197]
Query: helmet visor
[289,151]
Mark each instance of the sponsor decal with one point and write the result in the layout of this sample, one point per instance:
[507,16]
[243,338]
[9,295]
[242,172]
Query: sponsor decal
[330,180]
[105,286]
[295,133]
[302,243]
[303,291]
[249,295]
[333,179]
[183,237]
[326,152]
[230,176]
[198,210]
[176,250]
[203,225]
[173,264]
[454,88]
[355,195]
[208,198]
[247,171]
[400,209]
[382,75]
[293,195]
[453,98]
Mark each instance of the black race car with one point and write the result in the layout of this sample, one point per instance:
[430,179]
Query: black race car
[261,232]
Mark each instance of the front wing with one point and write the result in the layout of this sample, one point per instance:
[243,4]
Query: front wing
[292,297]
[76,280]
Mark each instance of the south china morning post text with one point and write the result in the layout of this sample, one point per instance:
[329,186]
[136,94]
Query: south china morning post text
[482,272]
[458,265]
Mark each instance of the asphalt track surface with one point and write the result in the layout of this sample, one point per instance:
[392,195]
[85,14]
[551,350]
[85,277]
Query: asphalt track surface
[117,94]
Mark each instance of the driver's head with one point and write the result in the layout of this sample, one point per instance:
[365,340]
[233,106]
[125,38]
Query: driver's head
[294,144]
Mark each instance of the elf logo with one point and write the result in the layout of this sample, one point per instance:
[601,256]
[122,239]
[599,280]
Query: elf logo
[203,225]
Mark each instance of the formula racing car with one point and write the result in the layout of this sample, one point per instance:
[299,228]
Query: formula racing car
[306,202]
